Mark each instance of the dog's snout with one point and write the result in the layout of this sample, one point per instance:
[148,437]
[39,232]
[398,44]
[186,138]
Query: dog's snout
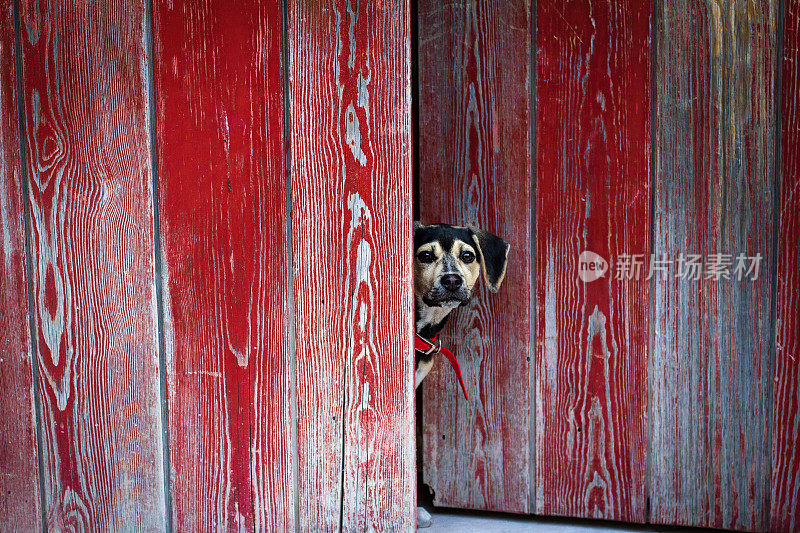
[451,282]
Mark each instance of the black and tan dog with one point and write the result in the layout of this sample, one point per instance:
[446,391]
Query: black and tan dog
[448,262]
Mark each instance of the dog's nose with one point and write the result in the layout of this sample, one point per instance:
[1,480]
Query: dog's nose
[451,282]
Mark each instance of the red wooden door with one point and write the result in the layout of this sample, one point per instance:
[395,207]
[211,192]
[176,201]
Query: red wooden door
[652,398]
[205,262]
[218,198]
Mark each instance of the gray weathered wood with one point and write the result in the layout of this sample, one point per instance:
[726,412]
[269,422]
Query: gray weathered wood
[20,508]
[709,363]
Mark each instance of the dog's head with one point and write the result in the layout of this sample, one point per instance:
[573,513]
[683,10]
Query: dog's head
[450,259]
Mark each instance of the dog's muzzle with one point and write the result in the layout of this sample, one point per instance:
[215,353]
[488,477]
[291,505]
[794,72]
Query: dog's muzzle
[449,291]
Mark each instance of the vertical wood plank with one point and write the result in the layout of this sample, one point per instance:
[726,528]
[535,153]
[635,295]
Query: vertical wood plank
[351,237]
[85,101]
[709,365]
[785,488]
[20,508]
[592,194]
[474,113]
[222,199]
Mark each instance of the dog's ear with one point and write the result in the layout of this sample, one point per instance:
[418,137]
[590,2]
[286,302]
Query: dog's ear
[493,255]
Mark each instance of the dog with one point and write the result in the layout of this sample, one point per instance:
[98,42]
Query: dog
[448,260]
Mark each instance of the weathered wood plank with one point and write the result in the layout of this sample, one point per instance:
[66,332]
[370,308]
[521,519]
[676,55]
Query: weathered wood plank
[592,194]
[85,101]
[474,152]
[222,192]
[785,488]
[351,237]
[20,508]
[709,364]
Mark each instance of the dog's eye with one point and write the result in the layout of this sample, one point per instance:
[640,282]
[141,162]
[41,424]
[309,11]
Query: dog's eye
[426,257]
[467,257]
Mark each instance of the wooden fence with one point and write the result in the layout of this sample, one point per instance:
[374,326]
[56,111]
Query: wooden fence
[205,262]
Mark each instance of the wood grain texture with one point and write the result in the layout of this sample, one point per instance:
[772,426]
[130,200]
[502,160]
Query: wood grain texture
[222,199]
[785,486]
[714,194]
[592,194]
[85,102]
[474,153]
[20,508]
[351,238]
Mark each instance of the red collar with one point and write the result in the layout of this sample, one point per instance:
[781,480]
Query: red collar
[433,346]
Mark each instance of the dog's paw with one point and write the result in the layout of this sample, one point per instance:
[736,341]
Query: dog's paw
[424,518]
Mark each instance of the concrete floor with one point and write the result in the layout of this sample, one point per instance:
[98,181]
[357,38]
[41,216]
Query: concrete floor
[472,522]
